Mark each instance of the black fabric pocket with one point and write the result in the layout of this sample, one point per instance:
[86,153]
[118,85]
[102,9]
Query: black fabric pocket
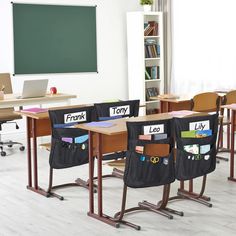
[189,166]
[200,141]
[141,173]
[143,142]
[65,155]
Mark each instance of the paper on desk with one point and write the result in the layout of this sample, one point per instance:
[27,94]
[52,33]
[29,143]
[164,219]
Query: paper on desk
[35,110]
[181,113]
[232,106]
[100,124]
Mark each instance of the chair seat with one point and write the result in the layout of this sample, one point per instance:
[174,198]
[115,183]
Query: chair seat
[7,114]
[45,146]
[119,164]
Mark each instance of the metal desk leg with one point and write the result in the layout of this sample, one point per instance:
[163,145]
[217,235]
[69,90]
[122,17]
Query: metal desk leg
[99,215]
[231,177]
[33,132]
[29,152]
[91,170]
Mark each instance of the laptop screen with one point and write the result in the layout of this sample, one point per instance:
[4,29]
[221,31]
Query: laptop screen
[34,88]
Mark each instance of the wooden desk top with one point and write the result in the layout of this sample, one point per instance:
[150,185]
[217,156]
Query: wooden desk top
[119,126]
[45,115]
[11,100]
[174,99]
[181,98]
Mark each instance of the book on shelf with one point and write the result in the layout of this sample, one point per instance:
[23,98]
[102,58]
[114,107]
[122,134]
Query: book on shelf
[154,24]
[146,25]
[153,72]
[147,75]
[151,28]
[158,50]
[35,110]
[148,31]
[152,48]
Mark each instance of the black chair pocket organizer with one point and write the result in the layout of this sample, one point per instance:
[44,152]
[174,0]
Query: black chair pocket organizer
[115,110]
[147,171]
[66,154]
[195,156]
[143,170]
[69,145]
[149,163]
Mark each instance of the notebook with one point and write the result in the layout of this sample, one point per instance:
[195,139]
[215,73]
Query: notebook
[34,88]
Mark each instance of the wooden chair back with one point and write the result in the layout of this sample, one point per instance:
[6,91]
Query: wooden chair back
[230,97]
[206,102]
[6,114]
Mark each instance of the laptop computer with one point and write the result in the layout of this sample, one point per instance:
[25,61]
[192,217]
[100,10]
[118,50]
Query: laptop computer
[34,88]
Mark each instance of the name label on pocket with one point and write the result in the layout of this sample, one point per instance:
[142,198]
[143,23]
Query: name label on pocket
[120,110]
[199,125]
[153,129]
[75,117]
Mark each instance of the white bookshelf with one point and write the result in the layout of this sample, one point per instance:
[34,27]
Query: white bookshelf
[138,61]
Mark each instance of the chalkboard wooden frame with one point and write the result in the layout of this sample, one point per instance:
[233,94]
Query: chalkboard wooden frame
[54,38]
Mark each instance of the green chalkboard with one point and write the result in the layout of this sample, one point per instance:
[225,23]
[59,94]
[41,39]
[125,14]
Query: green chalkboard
[54,38]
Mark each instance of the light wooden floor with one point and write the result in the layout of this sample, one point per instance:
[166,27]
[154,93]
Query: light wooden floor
[25,213]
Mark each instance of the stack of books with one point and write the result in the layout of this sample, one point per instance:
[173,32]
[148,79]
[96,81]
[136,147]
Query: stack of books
[151,28]
[152,72]
[152,49]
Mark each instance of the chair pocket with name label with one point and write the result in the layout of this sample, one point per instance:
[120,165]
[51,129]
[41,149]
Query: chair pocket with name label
[196,156]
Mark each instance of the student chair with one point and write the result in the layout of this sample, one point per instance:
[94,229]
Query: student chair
[196,153]
[209,102]
[114,110]
[7,115]
[205,102]
[149,163]
[69,145]
[229,98]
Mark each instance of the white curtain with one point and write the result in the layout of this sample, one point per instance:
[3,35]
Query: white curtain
[203,46]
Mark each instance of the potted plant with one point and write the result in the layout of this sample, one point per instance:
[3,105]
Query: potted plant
[147,4]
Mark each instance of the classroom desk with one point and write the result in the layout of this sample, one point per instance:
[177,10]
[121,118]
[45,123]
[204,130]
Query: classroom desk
[37,125]
[114,138]
[183,102]
[101,140]
[11,100]
[232,107]
[175,104]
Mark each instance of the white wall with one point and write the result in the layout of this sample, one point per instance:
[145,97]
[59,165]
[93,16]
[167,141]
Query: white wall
[111,81]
